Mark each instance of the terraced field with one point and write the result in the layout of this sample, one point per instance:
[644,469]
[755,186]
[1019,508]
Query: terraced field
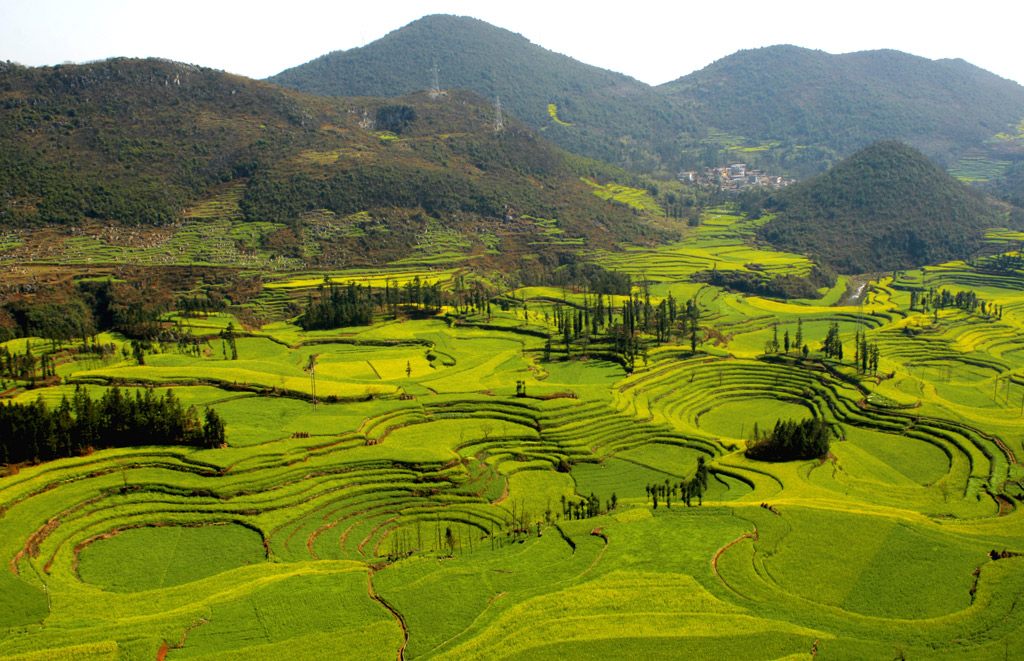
[434,498]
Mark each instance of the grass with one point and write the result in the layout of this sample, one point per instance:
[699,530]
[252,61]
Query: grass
[737,419]
[154,558]
[858,555]
[903,458]
[300,608]
[20,603]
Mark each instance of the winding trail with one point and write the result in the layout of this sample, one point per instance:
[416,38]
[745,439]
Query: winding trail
[596,532]
[503,496]
[398,616]
[714,561]
[164,647]
[1006,506]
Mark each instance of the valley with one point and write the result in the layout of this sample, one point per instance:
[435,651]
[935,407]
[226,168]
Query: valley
[349,369]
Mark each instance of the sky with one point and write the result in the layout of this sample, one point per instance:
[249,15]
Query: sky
[654,42]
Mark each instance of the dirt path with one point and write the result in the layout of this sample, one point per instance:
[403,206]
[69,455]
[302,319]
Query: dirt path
[398,616]
[596,532]
[503,496]
[1002,446]
[714,561]
[164,648]
[1005,506]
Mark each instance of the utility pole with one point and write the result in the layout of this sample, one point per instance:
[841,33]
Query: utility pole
[499,121]
[312,377]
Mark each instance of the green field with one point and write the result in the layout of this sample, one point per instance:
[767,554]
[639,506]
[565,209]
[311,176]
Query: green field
[427,503]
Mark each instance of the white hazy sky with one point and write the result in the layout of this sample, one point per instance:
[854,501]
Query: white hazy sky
[652,41]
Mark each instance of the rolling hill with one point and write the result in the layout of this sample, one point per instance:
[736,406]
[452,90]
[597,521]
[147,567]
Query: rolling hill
[885,207]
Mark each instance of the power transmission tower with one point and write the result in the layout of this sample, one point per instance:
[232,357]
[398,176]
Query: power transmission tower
[499,121]
[435,87]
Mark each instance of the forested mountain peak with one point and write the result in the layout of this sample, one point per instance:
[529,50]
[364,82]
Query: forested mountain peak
[586,109]
[885,207]
[466,52]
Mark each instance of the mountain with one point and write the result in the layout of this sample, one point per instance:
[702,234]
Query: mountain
[585,109]
[157,142]
[885,207]
[786,98]
[787,109]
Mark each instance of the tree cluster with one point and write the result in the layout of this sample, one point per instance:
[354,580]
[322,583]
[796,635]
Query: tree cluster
[394,118]
[833,344]
[591,277]
[685,490]
[353,304]
[965,300]
[791,440]
[35,432]
[583,509]
[866,355]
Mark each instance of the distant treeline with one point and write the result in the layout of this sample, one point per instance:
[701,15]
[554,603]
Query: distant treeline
[352,304]
[280,198]
[35,432]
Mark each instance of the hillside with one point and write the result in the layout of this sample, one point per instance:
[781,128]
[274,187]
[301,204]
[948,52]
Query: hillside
[885,207]
[597,113]
[156,142]
[800,97]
